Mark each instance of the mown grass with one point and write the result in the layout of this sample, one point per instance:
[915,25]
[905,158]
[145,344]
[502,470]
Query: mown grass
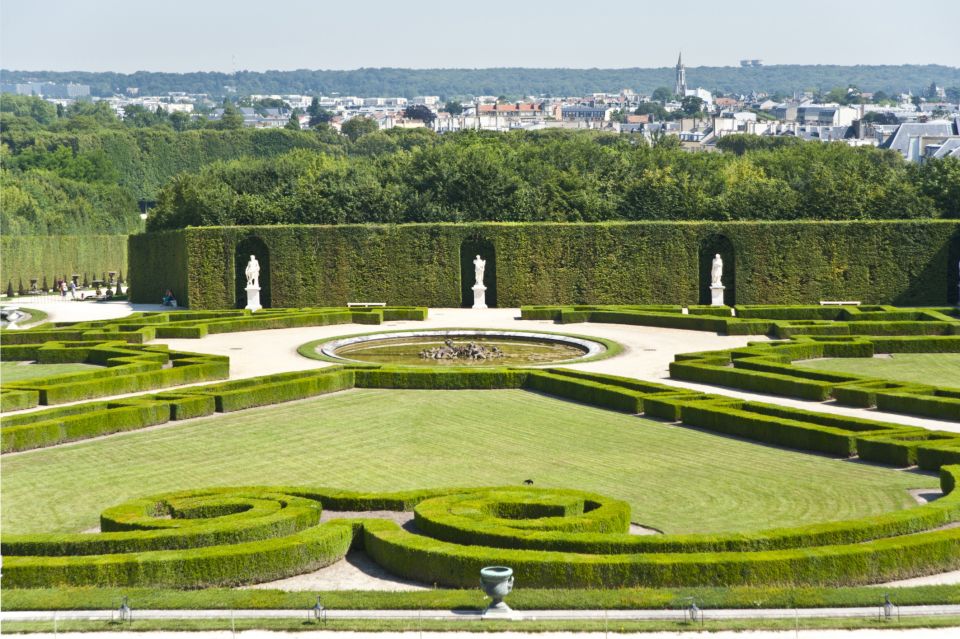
[520,599]
[19,371]
[484,626]
[676,479]
[939,369]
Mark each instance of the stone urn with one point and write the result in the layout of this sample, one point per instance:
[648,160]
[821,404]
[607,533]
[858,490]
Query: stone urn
[497,582]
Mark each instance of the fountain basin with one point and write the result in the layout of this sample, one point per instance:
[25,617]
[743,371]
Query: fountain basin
[517,348]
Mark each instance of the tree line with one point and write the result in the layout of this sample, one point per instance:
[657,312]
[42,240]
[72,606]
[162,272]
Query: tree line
[507,81]
[82,170]
[559,176]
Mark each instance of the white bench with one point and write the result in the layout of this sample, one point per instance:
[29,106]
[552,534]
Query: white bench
[831,303]
[362,304]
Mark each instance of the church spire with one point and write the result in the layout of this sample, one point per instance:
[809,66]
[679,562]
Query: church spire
[680,87]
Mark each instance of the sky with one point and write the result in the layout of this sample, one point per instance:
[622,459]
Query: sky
[256,35]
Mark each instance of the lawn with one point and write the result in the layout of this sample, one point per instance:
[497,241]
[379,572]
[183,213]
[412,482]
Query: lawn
[19,371]
[675,478]
[940,369]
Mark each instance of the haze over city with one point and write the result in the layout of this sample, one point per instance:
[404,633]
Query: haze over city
[183,36]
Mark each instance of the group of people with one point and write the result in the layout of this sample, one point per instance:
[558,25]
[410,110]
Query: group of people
[67,287]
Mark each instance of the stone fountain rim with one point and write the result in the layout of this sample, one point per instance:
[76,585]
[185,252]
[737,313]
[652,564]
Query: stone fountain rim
[591,347]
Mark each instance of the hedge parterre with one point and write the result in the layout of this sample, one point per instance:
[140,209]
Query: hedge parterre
[551,538]
[122,368]
[140,328]
[809,332]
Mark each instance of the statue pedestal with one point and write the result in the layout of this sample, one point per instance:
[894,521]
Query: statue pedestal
[253,299]
[716,295]
[479,295]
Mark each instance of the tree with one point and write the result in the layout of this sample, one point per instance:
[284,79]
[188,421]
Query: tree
[662,95]
[652,109]
[691,105]
[318,115]
[420,112]
[293,124]
[876,117]
[180,121]
[940,181]
[231,118]
[357,127]
[453,107]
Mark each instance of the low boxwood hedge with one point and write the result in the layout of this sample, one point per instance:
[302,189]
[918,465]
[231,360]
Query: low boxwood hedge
[551,538]
[124,368]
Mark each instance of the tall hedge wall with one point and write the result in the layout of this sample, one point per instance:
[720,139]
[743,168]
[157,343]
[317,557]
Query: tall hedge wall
[894,262]
[50,256]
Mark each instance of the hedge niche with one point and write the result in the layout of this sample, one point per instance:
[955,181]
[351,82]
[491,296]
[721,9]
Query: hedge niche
[901,262]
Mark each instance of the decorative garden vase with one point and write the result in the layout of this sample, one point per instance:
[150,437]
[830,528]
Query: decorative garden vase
[497,582]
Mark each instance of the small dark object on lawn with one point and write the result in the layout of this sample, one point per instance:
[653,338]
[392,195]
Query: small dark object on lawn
[528,482]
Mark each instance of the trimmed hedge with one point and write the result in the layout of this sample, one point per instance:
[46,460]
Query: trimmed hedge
[901,262]
[551,538]
[126,368]
[56,256]
[139,328]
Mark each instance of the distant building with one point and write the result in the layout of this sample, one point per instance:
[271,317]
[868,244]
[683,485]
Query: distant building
[48,89]
[680,86]
[585,113]
[521,110]
[913,140]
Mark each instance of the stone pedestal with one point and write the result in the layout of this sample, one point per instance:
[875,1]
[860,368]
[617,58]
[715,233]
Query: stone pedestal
[716,295]
[253,299]
[479,296]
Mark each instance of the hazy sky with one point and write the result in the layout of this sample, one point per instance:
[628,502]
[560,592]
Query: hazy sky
[219,35]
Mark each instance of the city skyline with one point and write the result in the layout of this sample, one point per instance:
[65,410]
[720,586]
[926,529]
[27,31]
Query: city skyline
[108,35]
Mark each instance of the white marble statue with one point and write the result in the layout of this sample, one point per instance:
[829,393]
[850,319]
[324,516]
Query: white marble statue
[253,273]
[716,271]
[478,266]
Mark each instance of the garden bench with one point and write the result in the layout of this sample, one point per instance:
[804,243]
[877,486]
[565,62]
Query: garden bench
[354,304]
[833,303]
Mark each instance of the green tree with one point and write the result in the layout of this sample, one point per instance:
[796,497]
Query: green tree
[691,105]
[180,121]
[652,109]
[231,118]
[318,115]
[420,112]
[293,124]
[940,181]
[453,107]
[662,95]
[357,127]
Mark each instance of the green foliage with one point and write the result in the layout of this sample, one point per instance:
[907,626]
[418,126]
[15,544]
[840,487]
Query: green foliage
[470,599]
[54,256]
[515,81]
[646,263]
[357,127]
[230,536]
[552,176]
[125,368]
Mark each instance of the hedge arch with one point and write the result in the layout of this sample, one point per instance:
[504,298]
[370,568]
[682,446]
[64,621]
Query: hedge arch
[469,249]
[710,246]
[251,245]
